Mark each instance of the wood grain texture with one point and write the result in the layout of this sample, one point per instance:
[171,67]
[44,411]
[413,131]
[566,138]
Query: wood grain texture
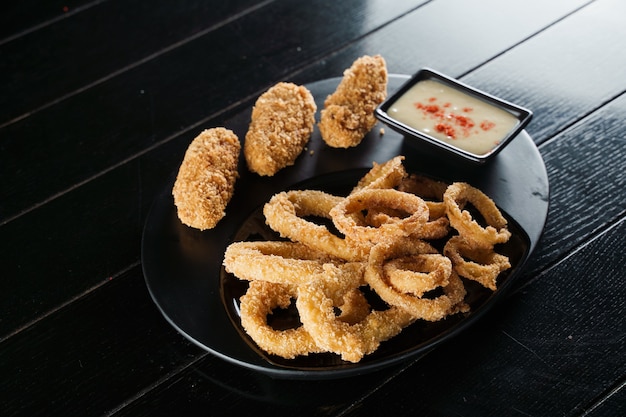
[86,144]
[82,360]
[199,385]
[576,66]
[66,59]
[21,17]
[587,172]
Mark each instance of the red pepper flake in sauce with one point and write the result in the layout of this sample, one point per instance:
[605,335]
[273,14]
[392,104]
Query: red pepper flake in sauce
[463,121]
[487,125]
[449,123]
[428,108]
[446,129]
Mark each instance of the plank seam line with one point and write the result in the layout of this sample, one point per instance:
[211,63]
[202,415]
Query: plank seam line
[67,303]
[50,22]
[604,397]
[138,63]
[346,46]
[530,36]
[597,234]
[581,118]
[527,348]
[360,400]
[155,385]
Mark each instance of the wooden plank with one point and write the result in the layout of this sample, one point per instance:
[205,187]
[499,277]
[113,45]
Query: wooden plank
[125,32]
[95,232]
[216,387]
[132,118]
[577,199]
[613,403]
[596,38]
[91,356]
[19,18]
[422,39]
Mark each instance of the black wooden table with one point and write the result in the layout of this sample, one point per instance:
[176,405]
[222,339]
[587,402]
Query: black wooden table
[100,99]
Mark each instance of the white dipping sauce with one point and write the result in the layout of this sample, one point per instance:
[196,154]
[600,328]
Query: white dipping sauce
[453,116]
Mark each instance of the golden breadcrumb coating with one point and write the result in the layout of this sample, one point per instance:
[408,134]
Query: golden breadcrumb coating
[348,113]
[206,178]
[282,121]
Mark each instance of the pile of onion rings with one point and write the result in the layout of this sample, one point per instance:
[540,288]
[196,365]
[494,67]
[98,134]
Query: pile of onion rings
[384,243]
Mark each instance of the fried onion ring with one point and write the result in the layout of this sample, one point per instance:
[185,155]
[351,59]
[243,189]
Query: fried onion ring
[415,207]
[385,221]
[284,214]
[354,306]
[261,298]
[386,175]
[418,274]
[391,174]
[430,190]
[350,340]
[424,187]
[291,264]
[451,301]
[457,195]
[433,229]
[482,265]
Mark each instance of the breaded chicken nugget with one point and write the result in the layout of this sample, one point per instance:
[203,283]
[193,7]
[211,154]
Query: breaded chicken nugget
[282,121]
[348,113]
[206,178]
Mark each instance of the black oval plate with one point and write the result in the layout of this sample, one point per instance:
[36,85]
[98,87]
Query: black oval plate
[183,266]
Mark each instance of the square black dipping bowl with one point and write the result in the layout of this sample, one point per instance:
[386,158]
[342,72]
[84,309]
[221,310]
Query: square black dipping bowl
[440,113]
